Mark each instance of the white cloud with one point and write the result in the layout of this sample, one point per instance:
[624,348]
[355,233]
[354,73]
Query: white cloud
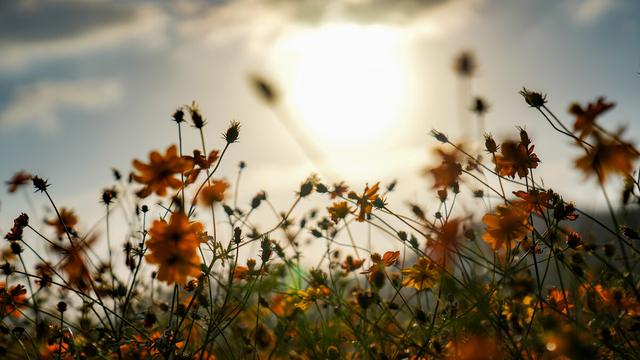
[40,104]
[257,22]
[30,34]
[589,10]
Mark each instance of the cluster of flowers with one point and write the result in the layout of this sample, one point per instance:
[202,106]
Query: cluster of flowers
[529,287]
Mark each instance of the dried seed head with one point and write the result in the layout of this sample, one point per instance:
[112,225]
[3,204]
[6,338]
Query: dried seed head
[265,89]
[490,144]
[533,98]
[196,116]
[439,136]
[40,184]
[178,116]
[233,132]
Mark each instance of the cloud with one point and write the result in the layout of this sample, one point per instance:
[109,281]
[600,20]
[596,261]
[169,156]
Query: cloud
[589,10]
[31,30]
[40,104]
[260,21]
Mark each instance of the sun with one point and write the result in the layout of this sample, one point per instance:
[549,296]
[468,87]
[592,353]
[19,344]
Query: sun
[345,84]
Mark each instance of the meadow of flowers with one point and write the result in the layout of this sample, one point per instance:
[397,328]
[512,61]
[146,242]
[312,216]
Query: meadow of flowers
[197,278]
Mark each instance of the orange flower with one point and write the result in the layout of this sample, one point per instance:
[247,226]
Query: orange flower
[213,192]
[508,224]
[160,172]
[12,299]
[377,270]
[339,210]
[200,162]
[173,247]
[606,157]
[73,263]
[448,172]
[477,347]
[338,190]
[67,219]
[447,237]
[18,180]
[365,202]
[586,117]
[422,275]
[515,158]
[557,299]
[534,200]
[350,264]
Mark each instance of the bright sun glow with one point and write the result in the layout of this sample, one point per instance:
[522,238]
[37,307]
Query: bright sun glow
[345,83]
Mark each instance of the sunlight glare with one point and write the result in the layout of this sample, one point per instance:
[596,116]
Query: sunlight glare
[346,83]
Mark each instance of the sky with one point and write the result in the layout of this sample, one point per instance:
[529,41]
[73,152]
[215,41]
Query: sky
[88,85]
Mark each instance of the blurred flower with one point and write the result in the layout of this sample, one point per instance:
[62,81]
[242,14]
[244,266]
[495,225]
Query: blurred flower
[557,299]
[160,172]
[214,192]
[606,157]
[448,172]
[339,210]
[173,246]
[338,190]
[65,222]
[18,180]
[586,117]
[465,64]
[350,264]
[365,201]
[446,240]
[421,276]
[12,299]
[534,200]
[310,295]
[73,263]
[508,224]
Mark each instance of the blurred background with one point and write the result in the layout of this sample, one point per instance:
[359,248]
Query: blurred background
[87,85]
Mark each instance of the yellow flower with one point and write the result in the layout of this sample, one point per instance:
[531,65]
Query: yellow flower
[309,296]
[422,275]
[339,210]
[366,200]
[508,224]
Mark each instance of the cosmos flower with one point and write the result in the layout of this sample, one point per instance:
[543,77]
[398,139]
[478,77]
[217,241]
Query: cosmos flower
[366,200]
[173,246]
[11,299]
[65,222]
[509,223]
[607,157]
[376,271]
[339,210]
[515,158]
[214,192]
[586,117]
[159,173]
[18,180]
[421,276]
[448,172]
